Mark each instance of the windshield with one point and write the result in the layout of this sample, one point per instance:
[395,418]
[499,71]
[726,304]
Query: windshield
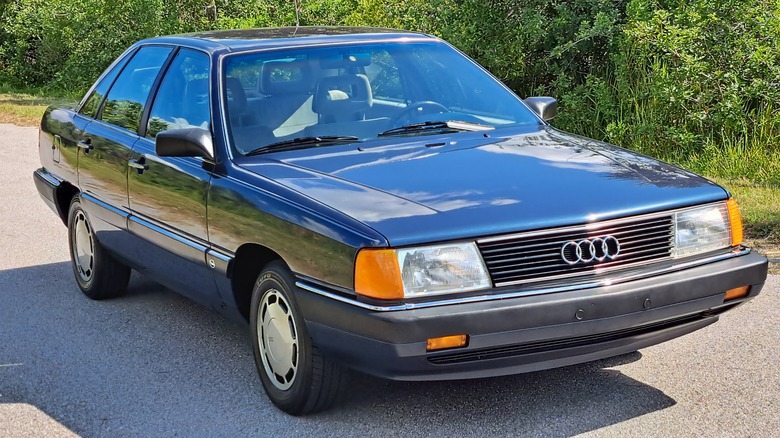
[362,91]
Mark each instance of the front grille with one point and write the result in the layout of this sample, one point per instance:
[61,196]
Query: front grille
[558,344]
[536,256]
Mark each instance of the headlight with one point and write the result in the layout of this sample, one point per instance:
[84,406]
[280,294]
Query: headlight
[418,272]
[703,229]
[442,269]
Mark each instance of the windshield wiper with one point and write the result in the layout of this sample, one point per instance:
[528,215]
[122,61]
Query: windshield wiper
[302,142]
[436,126]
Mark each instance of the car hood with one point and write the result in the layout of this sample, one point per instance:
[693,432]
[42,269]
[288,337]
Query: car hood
[467,185]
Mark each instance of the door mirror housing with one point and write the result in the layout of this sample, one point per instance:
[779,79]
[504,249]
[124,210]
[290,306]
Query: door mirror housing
[544,107]
[187,142]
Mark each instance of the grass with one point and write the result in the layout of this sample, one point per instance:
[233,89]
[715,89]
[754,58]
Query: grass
[759,201]
[760,207]
[26,108]
[735,159]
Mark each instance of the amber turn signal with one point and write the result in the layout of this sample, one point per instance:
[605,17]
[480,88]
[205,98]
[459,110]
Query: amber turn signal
[736,222]
[737,292]
[445,342]
[377,274]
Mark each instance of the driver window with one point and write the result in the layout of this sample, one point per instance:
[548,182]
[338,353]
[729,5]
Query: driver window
[183,98]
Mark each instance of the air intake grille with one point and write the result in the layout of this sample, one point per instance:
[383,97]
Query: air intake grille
[539,256]
[557,344]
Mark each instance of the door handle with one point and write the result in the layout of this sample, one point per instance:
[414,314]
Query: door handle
[139,165]
[85,144]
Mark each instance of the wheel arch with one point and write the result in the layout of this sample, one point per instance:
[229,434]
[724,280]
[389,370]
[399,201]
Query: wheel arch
[65,193]
[249,261]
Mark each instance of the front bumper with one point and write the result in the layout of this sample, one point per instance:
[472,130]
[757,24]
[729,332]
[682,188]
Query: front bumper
[529,333]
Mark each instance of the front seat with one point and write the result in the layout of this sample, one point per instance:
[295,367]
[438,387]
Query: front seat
[341,103]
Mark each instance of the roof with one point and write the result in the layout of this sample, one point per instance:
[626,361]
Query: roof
[244,39]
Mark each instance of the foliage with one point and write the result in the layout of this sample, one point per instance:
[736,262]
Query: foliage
[694,81]
[693,75]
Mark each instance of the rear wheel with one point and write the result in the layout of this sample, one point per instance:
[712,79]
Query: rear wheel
[98,274]
[296,377]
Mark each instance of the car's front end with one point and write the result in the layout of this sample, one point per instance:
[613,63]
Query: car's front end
[532,250]
[536,300]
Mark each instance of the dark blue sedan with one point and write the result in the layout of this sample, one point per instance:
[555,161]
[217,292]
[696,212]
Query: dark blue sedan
[375,200]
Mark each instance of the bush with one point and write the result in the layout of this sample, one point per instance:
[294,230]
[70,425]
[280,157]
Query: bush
[694,81]
[699,78]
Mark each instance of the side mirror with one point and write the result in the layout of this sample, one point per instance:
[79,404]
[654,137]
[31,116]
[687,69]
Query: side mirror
[188,142]
[544,107]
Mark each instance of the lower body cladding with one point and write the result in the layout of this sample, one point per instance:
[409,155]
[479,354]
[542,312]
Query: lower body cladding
[529,333]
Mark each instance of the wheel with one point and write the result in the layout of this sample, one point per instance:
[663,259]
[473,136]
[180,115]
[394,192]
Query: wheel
[98,274]
[415,109]
[296,377]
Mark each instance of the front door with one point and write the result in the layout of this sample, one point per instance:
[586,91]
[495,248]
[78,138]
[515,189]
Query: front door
[168,194]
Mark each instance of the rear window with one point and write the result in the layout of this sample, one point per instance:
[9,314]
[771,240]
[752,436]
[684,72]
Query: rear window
[125,102]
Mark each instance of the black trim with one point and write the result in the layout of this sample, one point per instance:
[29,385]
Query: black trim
[47,187]
[180,245]
[141,130]
[558,344]
[222,262]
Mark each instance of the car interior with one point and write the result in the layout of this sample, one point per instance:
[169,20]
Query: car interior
[359,92]
[290,98]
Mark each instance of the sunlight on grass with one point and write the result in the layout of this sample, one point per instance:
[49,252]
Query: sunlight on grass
[760,207]
[26,109]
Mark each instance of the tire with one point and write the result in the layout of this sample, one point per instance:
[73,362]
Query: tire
[296,377]
[99,275]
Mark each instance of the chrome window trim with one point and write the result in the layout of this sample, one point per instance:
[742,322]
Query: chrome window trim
[542,291]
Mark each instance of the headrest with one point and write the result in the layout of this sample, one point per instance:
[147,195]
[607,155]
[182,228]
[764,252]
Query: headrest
[349,93]
[236,96]
[285,77]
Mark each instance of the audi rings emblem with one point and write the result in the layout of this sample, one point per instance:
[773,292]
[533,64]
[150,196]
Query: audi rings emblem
[588,250]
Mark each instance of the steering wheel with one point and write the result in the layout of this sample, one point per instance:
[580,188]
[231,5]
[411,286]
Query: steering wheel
[417,108]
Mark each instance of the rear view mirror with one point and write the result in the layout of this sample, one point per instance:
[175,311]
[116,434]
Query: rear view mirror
[346,60]
[544,107]
[188,142]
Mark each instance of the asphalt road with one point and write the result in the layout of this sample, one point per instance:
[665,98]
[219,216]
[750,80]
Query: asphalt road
[154,364]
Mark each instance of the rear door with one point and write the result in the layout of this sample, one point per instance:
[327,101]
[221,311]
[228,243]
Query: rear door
[106,142]
[66,127]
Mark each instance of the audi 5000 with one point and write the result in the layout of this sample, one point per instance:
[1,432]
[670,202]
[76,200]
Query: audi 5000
[374,200]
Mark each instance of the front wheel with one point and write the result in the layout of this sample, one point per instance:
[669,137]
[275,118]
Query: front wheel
[98,274]
[296,377]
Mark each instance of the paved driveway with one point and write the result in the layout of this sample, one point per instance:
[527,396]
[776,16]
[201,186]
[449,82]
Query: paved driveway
[155,364]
